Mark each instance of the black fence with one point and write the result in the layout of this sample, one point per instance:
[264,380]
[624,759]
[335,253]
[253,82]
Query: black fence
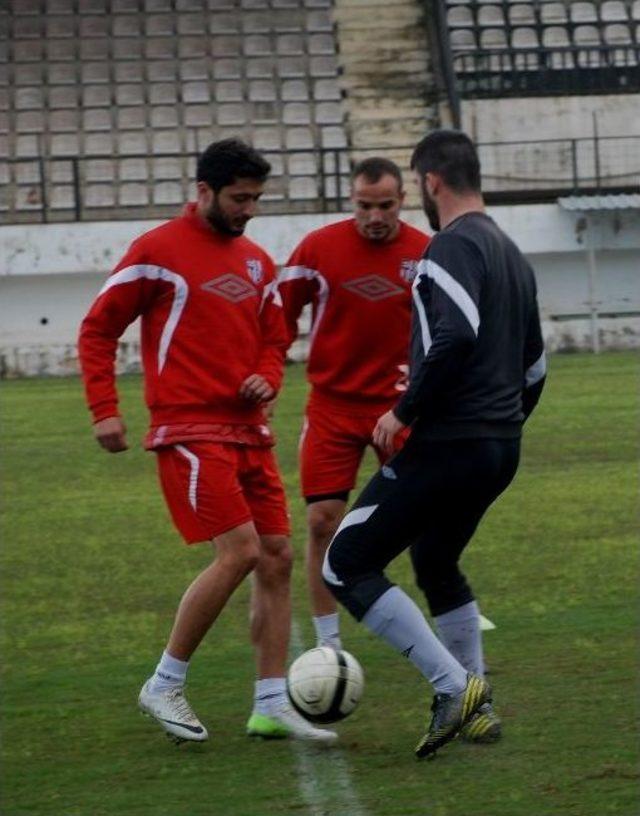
[51,189]
[546,72]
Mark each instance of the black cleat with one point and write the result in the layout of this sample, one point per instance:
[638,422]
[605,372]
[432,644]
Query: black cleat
[451,713]
[483,727]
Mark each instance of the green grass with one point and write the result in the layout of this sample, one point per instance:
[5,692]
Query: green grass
[92,572]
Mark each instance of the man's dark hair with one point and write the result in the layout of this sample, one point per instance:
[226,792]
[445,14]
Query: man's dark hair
[374,168]
[222,163]
[452,155]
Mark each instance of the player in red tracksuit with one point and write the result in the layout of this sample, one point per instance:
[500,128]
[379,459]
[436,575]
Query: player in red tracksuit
[213,346]
[357,275]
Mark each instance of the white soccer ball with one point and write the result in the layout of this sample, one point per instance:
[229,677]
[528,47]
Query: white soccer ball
[325,685]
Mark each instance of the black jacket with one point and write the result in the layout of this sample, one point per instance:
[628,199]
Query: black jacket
[477,356]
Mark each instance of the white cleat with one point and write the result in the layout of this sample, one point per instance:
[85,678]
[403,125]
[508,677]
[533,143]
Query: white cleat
[285,722]
[172,711]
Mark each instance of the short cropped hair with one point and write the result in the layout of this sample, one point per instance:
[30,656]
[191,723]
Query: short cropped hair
[222,163]
[374,168]
[452,155]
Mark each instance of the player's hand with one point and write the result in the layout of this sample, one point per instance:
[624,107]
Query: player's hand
[256,389]
[385,432]
[269,409]
[111,434]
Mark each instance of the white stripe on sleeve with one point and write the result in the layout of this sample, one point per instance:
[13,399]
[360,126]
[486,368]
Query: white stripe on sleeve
[454,290]
[536,371]
[291,273]
[422,317]
[181,290]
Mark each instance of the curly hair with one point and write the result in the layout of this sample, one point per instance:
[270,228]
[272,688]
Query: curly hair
[223,162]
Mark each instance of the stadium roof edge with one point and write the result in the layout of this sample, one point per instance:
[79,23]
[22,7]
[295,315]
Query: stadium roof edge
[583,203]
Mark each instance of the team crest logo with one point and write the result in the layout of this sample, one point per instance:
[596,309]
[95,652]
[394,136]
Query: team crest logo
[254,270]
[408,270]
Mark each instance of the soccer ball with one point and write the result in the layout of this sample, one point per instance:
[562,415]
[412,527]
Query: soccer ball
[325,685]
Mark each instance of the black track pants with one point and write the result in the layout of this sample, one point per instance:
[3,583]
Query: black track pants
[429,497]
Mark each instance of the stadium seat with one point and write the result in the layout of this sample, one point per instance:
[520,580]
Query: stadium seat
[99,195]
[333,137]
[586,35]
[165,116]
[326,89]
[167,192]
[582,12]
[460,16]
[99,144]
[555,37]
[493,38]
[553,13]
[132,195]
[132,169]
[303,188]
[521,14]
[98,170]
[263,90]
[613,11]
[617,34]
[490,16]
[463,40]
[524,38]
[302,164]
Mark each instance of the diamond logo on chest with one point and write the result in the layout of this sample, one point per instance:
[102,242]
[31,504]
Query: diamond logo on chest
[231,287]
[373,287]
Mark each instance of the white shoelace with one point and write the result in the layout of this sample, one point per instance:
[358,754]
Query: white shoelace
[182,707]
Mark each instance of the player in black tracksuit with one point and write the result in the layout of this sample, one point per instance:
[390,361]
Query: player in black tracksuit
[477,371]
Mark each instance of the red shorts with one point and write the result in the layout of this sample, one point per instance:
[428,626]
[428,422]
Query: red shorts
[212,487]
[332,444]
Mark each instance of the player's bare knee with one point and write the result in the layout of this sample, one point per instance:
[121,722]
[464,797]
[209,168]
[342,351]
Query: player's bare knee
[240,550]
[276,560]
[247,557]
[323,523]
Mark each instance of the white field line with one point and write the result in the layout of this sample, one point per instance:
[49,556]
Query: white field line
[323,772]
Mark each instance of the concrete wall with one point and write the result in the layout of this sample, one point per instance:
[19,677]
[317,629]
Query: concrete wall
[550,117]
[51,273]
[552,165]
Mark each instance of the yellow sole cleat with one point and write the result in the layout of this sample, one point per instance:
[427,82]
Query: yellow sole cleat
[450,714]
[483,727]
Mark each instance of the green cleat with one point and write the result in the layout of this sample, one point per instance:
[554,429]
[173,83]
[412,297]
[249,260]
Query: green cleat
[286,723]
[451,713]
[260,725]
[483,727]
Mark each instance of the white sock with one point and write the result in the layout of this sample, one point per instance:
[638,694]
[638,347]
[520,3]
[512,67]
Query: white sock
[398,620]
[170,673]
[327,630]
[269,695]
[459,630]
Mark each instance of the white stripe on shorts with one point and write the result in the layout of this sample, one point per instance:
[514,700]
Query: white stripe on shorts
[193,476]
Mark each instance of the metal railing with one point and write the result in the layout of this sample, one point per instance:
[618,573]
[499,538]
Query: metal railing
[548,71]
[101,187]
[49,189]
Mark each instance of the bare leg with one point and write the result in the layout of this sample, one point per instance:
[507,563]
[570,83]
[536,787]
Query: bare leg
[237,554]
[271,606]
[323,519]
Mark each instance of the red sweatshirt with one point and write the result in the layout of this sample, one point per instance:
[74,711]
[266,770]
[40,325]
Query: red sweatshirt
[360,293]
[211,316]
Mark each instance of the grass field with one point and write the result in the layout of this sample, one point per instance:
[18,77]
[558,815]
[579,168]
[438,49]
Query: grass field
[92,572]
